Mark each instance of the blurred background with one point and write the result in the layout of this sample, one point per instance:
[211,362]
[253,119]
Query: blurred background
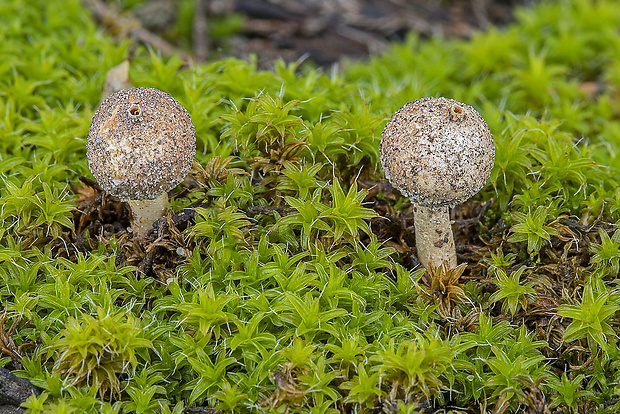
[321,31]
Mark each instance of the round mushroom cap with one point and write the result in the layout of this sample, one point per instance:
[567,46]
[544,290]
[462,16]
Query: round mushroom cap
[437,151]
[141,143]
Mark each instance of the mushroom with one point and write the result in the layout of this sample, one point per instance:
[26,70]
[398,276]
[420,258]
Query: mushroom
[439,153]
[141,144]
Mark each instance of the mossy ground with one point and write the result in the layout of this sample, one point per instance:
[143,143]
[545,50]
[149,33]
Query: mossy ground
[284,278]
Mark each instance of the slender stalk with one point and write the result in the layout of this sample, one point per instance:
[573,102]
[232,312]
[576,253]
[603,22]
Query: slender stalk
[433,236]
[146,212]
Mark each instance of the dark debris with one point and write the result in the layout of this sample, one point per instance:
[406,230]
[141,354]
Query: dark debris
[14,391]
[296,29]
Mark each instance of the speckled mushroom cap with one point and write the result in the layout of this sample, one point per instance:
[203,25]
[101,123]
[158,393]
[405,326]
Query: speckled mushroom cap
[141,143]
[437,151]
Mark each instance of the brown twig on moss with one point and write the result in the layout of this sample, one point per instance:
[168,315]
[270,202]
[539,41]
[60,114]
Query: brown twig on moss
[7,345]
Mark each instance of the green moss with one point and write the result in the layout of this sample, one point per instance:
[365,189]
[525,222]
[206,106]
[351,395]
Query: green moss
[294,289]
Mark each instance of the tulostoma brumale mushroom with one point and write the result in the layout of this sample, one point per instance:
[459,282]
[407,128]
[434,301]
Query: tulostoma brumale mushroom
[141,144]
[439,153]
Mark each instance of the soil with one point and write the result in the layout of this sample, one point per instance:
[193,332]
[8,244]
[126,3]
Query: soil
[323,31]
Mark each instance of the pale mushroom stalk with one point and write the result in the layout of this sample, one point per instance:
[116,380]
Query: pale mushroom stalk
[433,236]
[146,212]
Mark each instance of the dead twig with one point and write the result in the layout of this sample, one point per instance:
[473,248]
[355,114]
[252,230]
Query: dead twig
[127,26]
[7,345]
